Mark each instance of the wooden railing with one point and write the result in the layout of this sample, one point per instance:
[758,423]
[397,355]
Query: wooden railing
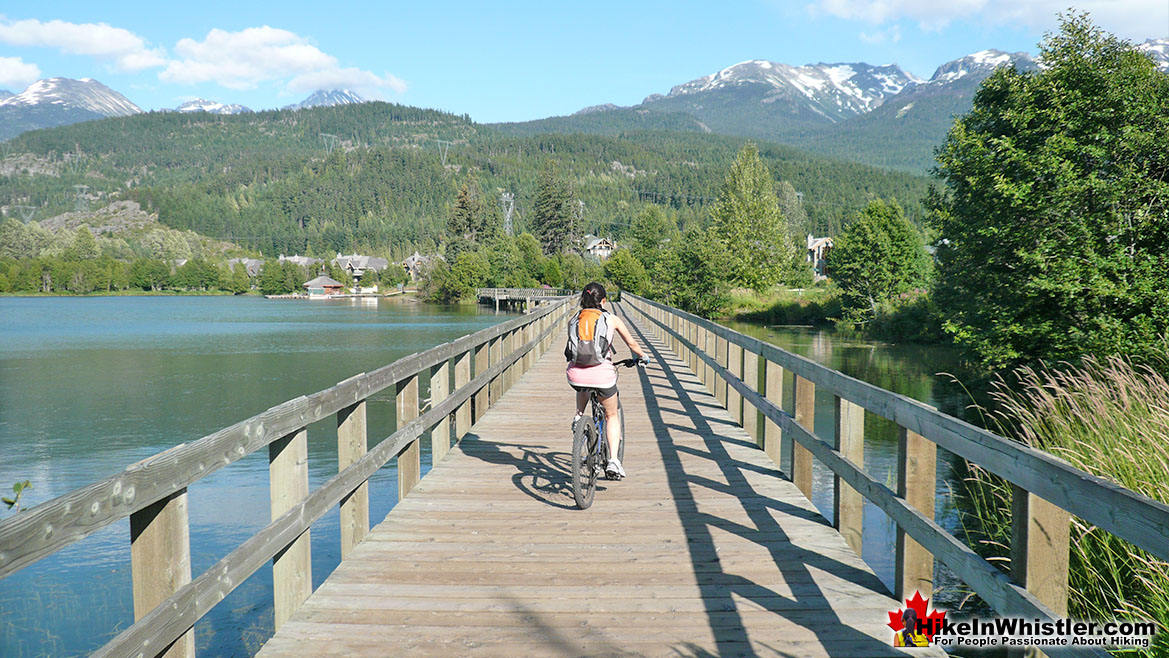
[746,374]
[153,493]
[521,293]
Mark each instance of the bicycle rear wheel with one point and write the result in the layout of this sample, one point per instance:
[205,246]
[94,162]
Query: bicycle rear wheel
[584,472]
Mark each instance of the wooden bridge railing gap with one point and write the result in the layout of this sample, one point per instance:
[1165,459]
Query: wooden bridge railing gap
[153,493]
[747,376]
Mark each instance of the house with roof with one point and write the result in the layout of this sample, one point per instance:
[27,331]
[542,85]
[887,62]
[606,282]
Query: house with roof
[599,248]
[323,287]
[357,265]
[818,249]
[251,265]
[303,261]
[415,264]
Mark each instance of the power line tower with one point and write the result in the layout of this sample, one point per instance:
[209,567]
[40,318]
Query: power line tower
[74,163]
[26,212]
[331,142]
[82,204]
[507,202]
[443,147]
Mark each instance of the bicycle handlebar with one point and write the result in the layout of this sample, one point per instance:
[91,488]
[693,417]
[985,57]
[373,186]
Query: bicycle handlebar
[629,363]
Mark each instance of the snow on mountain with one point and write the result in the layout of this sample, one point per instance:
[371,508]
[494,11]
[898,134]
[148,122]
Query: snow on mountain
[980,64]
[67,93]
[838,88]
[326,98]
[1158,49]
[4,93]
[212,107]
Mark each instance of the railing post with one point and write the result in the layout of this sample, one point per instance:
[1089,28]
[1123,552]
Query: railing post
[735,365]
[711,350]
[292,574]
[462,378]
[1039,548]
[410,459]
[801,458]
[482,363]
[696,340]
[496,355]
[440,434]
[351,446]
[750,413]
[848,505]
[773,389]
[160,560]
[720,357]
[917,459]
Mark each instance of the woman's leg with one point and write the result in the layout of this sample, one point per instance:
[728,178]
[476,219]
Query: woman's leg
[612,424]
[582,399]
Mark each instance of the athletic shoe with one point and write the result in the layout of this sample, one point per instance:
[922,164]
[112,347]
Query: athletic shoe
[614,470]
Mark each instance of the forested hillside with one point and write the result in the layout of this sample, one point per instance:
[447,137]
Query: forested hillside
[372,176]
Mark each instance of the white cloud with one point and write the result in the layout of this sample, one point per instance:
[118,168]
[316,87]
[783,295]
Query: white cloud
[16,74]
[369,84]
[1132,19]
[245,59]
[126,50]
[891,35]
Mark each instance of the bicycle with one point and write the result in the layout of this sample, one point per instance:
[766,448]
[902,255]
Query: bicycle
[590,448]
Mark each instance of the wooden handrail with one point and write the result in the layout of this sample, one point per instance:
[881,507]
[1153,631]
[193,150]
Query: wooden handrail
[153,492]
[1125,513]
[522,293]
[1039,531]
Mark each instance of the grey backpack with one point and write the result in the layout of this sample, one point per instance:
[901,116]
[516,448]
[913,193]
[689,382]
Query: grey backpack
[588,338]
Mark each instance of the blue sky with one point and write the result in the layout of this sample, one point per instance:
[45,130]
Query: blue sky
[502,61]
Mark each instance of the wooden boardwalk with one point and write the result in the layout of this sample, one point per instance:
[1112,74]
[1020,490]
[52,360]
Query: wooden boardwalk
[705,550]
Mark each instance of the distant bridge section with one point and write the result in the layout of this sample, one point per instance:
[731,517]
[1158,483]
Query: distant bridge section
[525,298]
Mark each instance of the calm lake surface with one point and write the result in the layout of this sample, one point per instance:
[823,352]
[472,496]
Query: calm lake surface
[91,385]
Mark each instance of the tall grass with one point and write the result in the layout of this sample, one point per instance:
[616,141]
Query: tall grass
[1109,418]
[817,305]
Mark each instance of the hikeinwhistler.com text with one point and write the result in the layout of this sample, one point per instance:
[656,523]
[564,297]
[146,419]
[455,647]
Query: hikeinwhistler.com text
[1020,632]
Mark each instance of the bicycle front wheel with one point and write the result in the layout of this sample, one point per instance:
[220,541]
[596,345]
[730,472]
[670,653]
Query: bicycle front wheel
[584,456]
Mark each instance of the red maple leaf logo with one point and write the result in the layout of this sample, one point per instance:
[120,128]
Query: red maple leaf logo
[930,623]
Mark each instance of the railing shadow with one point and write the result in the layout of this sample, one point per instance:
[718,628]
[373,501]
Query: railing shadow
[793,562]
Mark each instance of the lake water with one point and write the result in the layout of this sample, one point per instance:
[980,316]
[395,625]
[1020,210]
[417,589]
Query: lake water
[91,385]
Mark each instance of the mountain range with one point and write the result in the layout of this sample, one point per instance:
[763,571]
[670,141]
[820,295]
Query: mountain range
[877,115]
[63,101]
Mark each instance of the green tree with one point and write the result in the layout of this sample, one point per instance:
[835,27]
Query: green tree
[624,269]
[84,245]
[238,282]
[149,274]
[748,222]
[651,230]
[471,270]
[692,274]
[878,257]
[531,260]
[552,212]
[1055,216]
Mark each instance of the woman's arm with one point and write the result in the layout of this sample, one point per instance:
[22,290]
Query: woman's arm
[623,331]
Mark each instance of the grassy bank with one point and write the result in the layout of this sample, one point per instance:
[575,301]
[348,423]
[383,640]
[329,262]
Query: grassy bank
[815,306]
[1109,418]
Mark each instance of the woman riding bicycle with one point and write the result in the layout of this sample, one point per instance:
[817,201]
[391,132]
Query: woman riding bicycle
[590,364]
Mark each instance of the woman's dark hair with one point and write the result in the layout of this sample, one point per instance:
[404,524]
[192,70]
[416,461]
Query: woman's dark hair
[592,295]
[909,618]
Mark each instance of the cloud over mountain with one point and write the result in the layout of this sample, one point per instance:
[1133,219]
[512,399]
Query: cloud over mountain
[15,72]
[123,49]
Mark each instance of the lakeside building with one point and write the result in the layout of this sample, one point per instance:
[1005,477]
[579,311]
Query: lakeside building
[303,261]
[599,248]
[416,263]
[323,287]
[251,265]
[818,249]
[357,265]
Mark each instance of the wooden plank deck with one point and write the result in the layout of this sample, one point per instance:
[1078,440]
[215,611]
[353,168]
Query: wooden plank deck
[703,551]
